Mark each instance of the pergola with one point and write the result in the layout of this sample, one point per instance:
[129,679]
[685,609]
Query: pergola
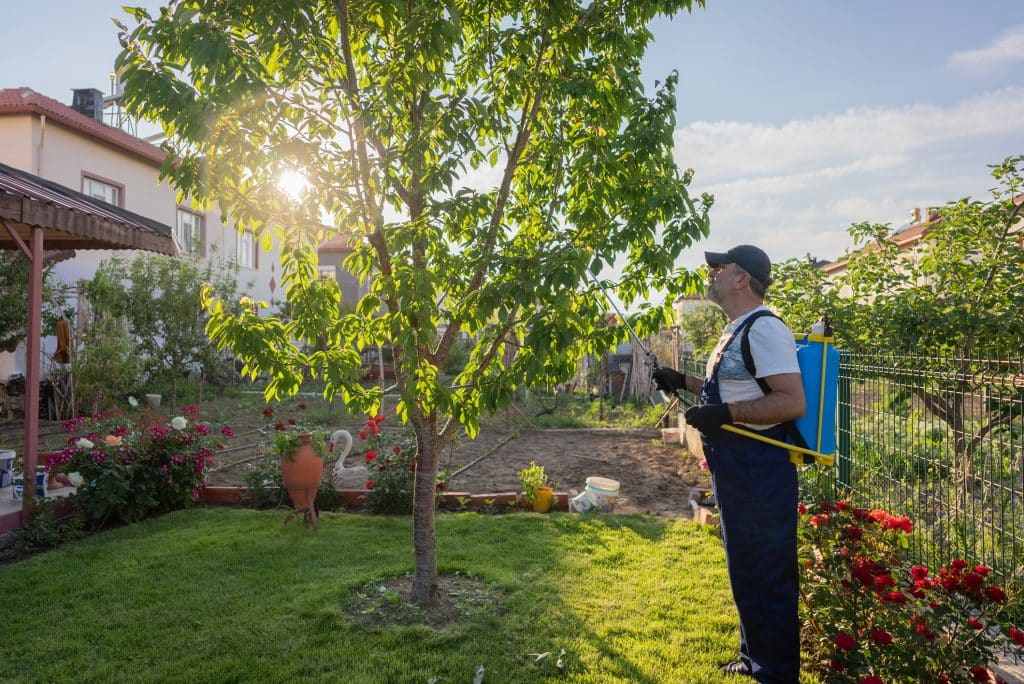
[38,215]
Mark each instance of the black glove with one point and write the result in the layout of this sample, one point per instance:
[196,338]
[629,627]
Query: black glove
[709,418]
[668,380]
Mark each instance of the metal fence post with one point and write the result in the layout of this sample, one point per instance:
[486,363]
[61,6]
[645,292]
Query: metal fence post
[843,456]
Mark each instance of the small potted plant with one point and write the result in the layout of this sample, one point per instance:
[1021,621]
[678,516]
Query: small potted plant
[536,490]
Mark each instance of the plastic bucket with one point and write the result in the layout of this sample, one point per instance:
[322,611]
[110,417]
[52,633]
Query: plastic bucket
[602,492]
[6,467]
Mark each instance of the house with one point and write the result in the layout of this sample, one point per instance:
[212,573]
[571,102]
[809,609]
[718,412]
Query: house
[72,146]
[907,238]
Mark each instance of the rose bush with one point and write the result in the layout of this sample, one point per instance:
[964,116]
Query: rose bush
[871,616]
[131,470]
[391,464]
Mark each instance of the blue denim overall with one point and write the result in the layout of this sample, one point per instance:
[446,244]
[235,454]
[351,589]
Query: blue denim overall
[755,486]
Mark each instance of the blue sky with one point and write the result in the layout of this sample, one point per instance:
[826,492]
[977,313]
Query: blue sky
[800,116]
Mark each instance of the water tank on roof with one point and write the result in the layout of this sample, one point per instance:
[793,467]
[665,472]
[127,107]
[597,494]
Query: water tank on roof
[88,101]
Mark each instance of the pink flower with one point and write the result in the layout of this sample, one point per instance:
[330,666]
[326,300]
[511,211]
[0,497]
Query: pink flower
[845,642]
[227,431]
[819,520]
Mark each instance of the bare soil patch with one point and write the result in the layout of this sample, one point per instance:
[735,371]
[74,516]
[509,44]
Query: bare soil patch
[389,602]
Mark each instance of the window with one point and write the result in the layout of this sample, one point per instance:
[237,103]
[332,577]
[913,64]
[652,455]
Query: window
[188,231]
[102,190]
[245,249]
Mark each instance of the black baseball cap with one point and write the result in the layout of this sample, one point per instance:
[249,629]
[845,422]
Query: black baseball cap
[751,259]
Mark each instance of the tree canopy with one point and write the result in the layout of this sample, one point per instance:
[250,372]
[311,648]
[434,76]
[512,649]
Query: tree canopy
[487,161]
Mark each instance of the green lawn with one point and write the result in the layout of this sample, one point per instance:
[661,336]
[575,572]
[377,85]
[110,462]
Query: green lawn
[234,595]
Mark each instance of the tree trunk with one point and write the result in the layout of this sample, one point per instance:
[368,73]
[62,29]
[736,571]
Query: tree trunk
[424,538]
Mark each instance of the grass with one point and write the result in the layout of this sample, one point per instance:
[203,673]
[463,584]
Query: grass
[234,595]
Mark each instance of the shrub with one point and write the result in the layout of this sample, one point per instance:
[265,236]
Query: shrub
[391,465]
[129,471]
[871,615]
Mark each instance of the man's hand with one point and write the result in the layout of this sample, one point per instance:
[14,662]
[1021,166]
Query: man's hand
[668,380]
[709,418]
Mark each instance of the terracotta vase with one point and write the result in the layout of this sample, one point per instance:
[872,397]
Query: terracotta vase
[301,476]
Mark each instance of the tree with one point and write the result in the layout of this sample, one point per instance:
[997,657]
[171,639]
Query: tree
[487,159]
[158,299]
[959,296]
[14,299]
[702,327]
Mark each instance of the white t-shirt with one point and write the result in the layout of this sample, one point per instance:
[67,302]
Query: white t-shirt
[774,350]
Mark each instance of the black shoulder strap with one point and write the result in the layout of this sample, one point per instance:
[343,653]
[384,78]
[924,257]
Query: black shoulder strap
[748,362]
[748,357]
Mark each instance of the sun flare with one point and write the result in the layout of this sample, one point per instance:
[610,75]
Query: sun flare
[293,183]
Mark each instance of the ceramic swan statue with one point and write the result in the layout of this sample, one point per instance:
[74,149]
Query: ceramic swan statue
[341,475]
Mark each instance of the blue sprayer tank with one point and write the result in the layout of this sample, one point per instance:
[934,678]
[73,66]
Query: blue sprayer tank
[819,368]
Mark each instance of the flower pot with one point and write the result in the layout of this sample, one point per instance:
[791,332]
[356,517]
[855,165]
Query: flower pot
[301,474]
[542,504]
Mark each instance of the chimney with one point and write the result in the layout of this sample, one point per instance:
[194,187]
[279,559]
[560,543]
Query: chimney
[917,215]
[88,101]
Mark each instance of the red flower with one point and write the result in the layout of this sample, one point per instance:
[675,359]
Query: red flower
[227,431]
[895,597]
[441,486]
[973,580]
[1017,636]
[845,642]
[980,674]
[292,421]
[302,407]
[842,505]
[819,520]
[919,572]
[370,455]
[871,679]
[369,484]
[838,665]
[982,570]
[379,418]
[396,449]
[957,565]
[975,623]
[362,435]
[279,427]
[801,509]
[268,411]
[950,583]
[995,593]
[881,637]
[943,679]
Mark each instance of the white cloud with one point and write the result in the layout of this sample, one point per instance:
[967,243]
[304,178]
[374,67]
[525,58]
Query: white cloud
[795,188]
[1006,49]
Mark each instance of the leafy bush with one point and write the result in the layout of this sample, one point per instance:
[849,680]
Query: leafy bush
[45,530]
[129,471]
[106,366]
[391,462]
[872,616]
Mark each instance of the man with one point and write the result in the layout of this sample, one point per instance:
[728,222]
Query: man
[755,484]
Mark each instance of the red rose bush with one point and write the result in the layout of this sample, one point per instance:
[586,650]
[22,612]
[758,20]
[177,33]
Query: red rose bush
[871,616]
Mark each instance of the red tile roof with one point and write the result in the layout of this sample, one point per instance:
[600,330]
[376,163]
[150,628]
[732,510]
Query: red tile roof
[27,101]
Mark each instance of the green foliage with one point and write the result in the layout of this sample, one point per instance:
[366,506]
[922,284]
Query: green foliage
[14,273]
[533,478]
[391,468]
[106,366]
[702,326]
[960,292]
[45,530]
[130,471]
[157,297]
[869,612]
